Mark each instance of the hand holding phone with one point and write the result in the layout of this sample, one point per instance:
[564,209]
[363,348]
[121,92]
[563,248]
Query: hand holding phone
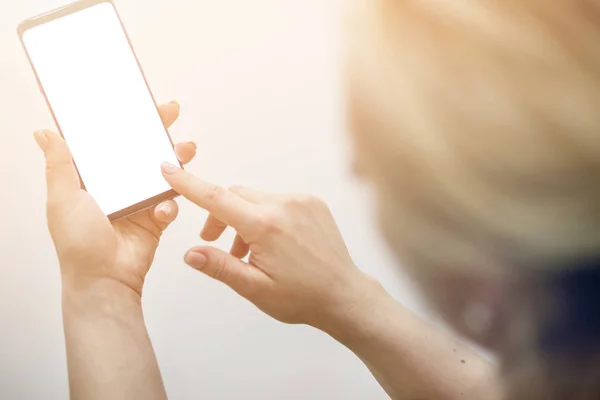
[88,245]
[117,139]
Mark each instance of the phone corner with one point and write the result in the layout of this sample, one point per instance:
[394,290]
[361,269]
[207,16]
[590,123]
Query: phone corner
[22,27]
[110,2]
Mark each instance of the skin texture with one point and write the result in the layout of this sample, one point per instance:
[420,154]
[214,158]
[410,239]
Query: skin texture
[299,271]
[103,267]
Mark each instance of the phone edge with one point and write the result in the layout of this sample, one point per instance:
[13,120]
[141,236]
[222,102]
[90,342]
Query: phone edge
[63,11]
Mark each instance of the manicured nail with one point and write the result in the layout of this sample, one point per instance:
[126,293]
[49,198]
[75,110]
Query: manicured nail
[164,209]
[175,103]
[195,259]
[41,139]
[169,169]
[194,145]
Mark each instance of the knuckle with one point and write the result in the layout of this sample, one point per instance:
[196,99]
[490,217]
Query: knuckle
[270,222]
[53,164]
[213,192]
[221,271]
[303,201]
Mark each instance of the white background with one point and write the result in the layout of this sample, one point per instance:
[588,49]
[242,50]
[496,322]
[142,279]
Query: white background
[259,85]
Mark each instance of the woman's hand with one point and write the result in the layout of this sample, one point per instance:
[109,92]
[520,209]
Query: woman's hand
[299,270]
[89,247]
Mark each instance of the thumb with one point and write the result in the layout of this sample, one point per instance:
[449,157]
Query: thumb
[61,176]
[242,277]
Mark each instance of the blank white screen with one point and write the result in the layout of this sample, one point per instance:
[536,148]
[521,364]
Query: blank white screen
[102,106]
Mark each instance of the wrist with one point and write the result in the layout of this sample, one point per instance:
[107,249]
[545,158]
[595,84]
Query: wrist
[355,310]
[83,295]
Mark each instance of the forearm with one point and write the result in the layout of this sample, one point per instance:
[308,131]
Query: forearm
[410,358]
[109,352]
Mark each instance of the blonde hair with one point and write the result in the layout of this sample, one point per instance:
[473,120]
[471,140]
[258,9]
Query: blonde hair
[485,122]
[479,122]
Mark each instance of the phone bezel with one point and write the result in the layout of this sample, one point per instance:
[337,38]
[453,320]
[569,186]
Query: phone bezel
[63,12]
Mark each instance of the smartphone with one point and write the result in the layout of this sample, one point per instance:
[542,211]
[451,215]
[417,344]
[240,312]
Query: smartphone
[93,83]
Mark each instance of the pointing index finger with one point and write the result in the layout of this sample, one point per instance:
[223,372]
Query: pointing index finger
[221,203]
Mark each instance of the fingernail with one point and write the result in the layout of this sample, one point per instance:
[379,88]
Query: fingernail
[193,144]
[195,259]
[164,209]
[169,168]
[41,139]
[175,103]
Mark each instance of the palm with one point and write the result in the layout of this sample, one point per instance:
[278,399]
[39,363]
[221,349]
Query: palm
[122,251]
[137,239]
